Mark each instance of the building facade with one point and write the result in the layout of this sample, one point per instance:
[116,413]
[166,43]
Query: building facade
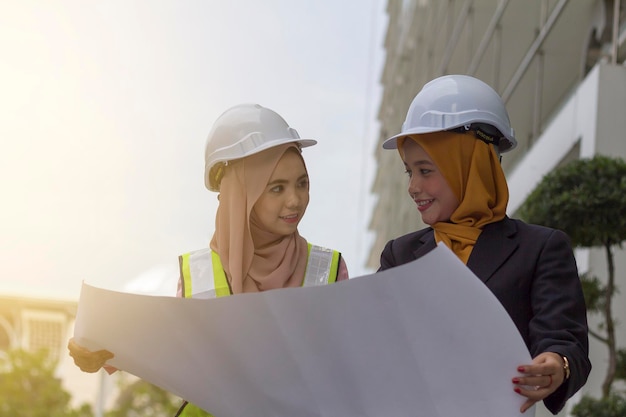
[559,66]
[33,323]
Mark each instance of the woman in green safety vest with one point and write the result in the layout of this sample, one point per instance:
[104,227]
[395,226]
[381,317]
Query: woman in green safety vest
[253,159]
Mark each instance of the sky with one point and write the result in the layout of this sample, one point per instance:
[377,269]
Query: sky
[105,107]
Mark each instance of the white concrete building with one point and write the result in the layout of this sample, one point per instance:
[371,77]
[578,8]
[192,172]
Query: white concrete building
[559,66]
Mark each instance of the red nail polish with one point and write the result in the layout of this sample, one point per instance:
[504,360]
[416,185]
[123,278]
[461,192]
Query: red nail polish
[515,380]
[517,390]
[521,369]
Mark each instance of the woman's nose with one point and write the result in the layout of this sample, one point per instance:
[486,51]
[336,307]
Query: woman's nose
[293,199]
[414,186]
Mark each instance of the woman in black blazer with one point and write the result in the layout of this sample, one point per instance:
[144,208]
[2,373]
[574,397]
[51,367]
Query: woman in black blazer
[455,130]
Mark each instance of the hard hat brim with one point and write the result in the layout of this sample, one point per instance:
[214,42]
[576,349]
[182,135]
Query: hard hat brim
[232,154]
[392,142]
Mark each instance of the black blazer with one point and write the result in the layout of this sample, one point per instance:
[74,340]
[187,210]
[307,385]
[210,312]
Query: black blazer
[532,271]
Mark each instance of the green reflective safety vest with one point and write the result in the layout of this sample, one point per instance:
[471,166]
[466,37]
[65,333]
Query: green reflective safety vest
[203,276]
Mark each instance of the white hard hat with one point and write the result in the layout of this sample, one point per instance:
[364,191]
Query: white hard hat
[241,131]
[458,102]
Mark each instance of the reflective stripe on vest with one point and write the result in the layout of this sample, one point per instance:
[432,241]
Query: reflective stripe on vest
[204,277]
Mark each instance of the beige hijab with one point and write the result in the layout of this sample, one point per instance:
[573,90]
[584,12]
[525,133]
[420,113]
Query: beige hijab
[254,259]
[473,171]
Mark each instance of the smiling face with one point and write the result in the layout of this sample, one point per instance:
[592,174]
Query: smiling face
[427,186]
[282,204]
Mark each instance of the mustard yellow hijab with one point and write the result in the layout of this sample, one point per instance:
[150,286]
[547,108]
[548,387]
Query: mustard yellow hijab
[472,169]
[254,259]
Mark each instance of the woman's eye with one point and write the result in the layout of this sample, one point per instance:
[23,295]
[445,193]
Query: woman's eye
[276,189]
[407,172]
[425,171]
[304,184]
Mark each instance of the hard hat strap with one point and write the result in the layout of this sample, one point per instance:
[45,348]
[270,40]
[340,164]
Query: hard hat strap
[480,134]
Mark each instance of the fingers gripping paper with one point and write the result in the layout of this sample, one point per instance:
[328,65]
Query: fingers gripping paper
[423,339]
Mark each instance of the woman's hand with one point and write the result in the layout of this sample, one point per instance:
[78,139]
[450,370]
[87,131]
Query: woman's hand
[539,379]
[87,360]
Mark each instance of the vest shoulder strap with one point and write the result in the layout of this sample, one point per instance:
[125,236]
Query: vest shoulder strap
[203,275]
[219,277]
[321,267]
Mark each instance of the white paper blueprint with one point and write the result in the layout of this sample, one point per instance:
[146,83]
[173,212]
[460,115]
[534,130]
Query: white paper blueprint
[423,339]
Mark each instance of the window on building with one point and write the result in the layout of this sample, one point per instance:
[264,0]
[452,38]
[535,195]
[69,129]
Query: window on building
[43,329]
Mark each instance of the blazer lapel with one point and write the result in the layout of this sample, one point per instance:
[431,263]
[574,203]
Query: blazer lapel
[427,241]
[494,245]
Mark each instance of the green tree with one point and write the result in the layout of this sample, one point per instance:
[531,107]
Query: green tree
[587,198]
[140,398]
[611,406]
[28,387]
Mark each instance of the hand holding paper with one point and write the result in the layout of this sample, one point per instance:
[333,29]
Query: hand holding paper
[87,360]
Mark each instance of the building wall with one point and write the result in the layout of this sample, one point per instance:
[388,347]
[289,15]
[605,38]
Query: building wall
[564,87]
[32,324]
